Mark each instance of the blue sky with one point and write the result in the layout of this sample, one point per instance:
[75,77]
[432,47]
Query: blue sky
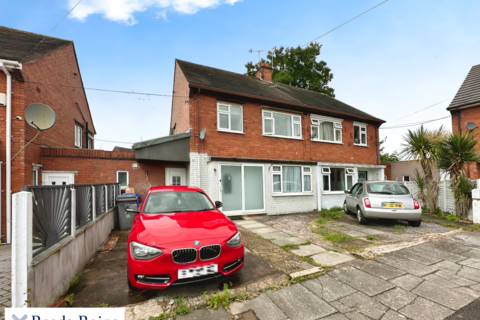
[401,57]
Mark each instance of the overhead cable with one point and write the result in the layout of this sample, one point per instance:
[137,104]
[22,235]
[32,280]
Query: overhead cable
[414,123]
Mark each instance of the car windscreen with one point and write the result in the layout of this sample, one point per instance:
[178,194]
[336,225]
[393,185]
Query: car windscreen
[177,201]
[386,188]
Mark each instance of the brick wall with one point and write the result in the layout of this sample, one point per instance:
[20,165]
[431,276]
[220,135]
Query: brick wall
[388,170]
[252,144]
[98,166]
[180,105]
[53,80]
[468,115]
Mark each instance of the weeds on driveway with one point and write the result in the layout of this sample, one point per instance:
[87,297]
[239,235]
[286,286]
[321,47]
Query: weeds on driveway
[372,238]
[180,308]
[216,299]
[293,246]
[331,214]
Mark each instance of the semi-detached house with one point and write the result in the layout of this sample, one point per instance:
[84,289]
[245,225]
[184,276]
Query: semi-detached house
[264,147]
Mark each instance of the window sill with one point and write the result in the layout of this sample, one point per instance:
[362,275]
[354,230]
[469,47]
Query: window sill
[333,192]
[229,131]
[281,137]
[292,194]
[324,141]
[360,145]
[78,147]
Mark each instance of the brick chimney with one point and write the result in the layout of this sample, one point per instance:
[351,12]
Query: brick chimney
[265,72]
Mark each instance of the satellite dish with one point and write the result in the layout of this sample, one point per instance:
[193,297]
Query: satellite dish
[40,116]
[471,125]
[202,134]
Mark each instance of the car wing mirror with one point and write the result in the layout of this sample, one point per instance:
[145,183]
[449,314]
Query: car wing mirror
[133,208]
[218,204]
[347,191]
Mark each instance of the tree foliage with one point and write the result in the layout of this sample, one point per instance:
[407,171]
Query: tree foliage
[298,67]
[385,156]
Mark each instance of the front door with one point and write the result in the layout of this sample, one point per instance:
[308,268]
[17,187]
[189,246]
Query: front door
[57,179]
[241,188]
[175,177]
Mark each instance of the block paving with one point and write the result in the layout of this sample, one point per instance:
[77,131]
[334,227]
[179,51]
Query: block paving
[429,281]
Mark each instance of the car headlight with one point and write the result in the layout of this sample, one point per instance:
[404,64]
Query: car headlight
[235,241]
[143,252]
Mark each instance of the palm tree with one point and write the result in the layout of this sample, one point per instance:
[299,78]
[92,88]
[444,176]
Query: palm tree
[422,145]
[452,156]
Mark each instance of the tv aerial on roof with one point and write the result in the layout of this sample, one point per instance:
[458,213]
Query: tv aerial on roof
[40,116]
[471,125]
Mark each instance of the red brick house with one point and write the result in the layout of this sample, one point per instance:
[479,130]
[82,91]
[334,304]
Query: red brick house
[266,147]
[465,111]
[46,71]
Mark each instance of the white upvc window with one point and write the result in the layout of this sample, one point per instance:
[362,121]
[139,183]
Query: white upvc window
[278,124]
[291,179]
[359,134]
[78,135]
[229,117]
[122,179]
[90,141]
[337,179]
[35,170]
[326,129]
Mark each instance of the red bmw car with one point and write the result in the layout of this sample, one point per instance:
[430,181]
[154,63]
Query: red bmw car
[179,236]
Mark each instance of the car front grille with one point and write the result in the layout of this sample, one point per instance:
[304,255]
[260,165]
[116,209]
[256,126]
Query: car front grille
[184,255]
[210,252]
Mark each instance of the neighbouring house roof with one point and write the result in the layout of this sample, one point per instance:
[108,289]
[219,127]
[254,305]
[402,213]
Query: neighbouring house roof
[122,149]
[17,45]
[173,148]
[217,79]
[469,92]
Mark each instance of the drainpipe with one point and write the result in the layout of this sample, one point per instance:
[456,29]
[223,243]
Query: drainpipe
[8,194]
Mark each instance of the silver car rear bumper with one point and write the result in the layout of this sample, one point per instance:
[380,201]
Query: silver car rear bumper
[400,214]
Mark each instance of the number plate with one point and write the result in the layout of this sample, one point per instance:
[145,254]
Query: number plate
[197,272]
[395,205]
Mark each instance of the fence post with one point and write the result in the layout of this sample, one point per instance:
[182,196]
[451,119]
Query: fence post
[73,223]
[114,195]
[94,207]
[22,242]
[106,198]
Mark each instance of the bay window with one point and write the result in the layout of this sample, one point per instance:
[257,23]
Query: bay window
[360,134]
[326,129]
[282,124]
[229,118]
[337,179]
[292,179]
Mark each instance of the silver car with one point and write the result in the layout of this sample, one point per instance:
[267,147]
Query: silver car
[382,200]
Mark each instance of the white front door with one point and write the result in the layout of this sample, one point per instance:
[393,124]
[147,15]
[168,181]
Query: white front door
[57,179]
[176,177]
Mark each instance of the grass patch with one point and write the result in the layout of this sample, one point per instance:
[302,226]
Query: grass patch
[291,246]
[241,296]
[102,305]
[214,300]
[164,316]
[331,214]
[472,227]
[451,217]
[350,248]
[69,300]
[336,236]
[181,306]
[74,282]
[399,226]
[397,233]
[310,260]
[373,238]
[274,287]
[333,250]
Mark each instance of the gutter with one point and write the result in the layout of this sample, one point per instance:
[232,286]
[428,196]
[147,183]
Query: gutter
[4,64]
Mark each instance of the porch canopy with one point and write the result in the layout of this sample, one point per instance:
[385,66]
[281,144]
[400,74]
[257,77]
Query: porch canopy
[173,148]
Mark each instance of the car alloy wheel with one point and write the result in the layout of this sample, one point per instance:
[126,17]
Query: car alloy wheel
[360,217]
[345,208]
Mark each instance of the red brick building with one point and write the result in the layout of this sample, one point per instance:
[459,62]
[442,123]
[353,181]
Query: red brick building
[266,147]
[465,111]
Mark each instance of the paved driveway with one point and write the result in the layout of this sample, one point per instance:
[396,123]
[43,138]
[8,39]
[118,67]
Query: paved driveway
[429,281]
[5,279]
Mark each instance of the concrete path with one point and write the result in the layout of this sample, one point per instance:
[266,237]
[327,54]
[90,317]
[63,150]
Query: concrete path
[5,279]
[317,253]
[430,281]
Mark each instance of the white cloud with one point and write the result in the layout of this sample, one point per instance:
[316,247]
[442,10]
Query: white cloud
[162,14]
[124,10]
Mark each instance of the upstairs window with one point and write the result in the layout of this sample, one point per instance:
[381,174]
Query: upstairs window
[360,134]
[282,124]
[78,135]
[327,130]
[90,141]
[229,117]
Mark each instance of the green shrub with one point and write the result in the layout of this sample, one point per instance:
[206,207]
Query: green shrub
[69,300]
[425,210]
[74,282]
[451,217]
[438,211]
